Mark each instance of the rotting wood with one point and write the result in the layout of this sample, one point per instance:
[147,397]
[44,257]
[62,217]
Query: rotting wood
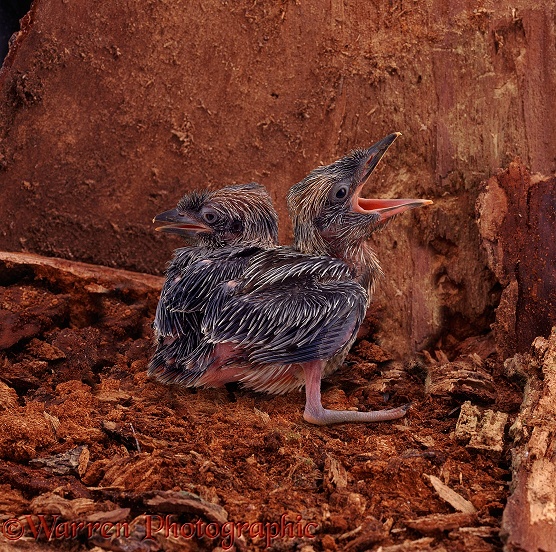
[36,482]
[45,351]
[52,503]
[160,413]
[463,377]
[423,544]
[483,431]
[490,435]
[8,398]
[529,520]
[111,516]
[74,461]
[435,523]
[262,415]
[178,502]
[516,223]
[388,380]
[95,279]
[122,433]
[335,475]
[468,419]
[372,531]
[100,275]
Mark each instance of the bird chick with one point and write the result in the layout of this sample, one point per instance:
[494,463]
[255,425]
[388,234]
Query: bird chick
[227,227]
[292,316]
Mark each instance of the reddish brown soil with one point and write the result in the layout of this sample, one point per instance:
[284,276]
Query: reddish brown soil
[76,348]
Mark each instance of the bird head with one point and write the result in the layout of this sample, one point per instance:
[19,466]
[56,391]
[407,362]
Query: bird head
[238,214]
[330,216]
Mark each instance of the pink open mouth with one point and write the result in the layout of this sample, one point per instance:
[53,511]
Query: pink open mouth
[386,208]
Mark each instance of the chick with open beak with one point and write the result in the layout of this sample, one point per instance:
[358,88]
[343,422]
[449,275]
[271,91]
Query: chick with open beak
[331,218]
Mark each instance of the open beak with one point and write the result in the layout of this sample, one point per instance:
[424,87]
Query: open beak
[375,153]
[385,208]
[180,224]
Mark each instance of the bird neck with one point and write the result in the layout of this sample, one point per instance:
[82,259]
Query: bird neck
[358,255]
[362,260]
[214,241]
[262,241]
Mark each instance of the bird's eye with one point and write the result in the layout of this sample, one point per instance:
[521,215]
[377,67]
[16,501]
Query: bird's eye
[338,193]
[209,216]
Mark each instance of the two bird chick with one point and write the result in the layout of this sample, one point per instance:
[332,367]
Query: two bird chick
[236,306]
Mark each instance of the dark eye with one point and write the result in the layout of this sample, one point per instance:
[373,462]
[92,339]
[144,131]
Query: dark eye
[341,192]
[338,192]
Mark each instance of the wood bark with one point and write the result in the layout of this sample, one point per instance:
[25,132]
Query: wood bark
[529,521]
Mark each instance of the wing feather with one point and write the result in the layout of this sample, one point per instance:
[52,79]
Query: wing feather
[288,309]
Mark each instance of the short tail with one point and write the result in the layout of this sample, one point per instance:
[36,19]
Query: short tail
[173,364]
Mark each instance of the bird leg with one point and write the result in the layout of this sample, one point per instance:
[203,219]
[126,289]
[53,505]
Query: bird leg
[315,413]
